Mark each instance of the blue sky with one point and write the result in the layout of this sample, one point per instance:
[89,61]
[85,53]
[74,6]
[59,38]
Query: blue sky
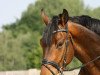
[12,9]
[92,3]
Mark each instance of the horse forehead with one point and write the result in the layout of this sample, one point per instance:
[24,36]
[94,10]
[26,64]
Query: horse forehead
[60,35]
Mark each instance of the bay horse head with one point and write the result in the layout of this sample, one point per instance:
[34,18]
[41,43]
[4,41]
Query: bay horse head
[57,47]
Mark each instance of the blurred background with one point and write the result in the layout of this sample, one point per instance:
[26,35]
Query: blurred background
[21,28]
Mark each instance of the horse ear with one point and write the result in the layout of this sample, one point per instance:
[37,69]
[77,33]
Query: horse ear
[44,17]
[64,16]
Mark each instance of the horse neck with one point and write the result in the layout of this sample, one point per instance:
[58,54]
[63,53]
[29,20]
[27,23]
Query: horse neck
[86,42]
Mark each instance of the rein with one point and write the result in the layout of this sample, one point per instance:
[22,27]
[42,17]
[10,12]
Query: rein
[82,65]
[45,62]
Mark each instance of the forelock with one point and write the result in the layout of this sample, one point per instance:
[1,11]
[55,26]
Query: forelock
[48,32]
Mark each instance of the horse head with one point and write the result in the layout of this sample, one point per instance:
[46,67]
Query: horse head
[56,44]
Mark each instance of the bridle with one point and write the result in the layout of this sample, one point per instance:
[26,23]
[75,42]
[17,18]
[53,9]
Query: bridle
[45,62]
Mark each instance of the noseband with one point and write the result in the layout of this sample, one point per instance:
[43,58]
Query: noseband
[52,63]
[45,62]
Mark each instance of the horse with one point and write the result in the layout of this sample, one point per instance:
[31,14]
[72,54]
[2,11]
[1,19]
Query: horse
[65,37]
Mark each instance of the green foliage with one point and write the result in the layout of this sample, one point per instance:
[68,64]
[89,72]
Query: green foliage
[19,41]
[96,13]
[21,52]
[10,52]
[75,63]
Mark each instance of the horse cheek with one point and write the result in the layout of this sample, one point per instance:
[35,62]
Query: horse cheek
[70,53]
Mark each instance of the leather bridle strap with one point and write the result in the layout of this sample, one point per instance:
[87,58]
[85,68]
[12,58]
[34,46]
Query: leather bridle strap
[60,30]
[52,63]
[49,69]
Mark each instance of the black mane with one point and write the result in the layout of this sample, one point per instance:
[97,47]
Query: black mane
[88,22]
[48,32]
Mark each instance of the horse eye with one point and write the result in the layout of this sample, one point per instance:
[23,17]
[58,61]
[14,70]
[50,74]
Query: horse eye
[60,44]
